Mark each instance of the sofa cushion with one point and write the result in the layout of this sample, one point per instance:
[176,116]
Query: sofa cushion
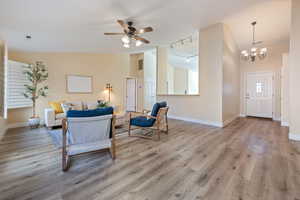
[91,105]
[66,107]
[76,105]
[56,106]
[60,116]
[142,121]
[156,108]
[90,113]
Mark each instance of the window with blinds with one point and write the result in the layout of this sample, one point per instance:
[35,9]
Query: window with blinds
[15,86]
[2,78]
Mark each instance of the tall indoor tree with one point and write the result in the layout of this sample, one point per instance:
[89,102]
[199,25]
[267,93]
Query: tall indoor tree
[36,74]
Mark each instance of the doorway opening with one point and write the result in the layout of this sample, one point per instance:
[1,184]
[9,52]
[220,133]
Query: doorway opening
[143,69]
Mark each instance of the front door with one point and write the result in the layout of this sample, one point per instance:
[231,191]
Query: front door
[259,95]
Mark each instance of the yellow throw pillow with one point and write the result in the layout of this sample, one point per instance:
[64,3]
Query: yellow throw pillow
[56,106]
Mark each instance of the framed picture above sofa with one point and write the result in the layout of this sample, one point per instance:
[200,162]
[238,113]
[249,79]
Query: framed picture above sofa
[79,84]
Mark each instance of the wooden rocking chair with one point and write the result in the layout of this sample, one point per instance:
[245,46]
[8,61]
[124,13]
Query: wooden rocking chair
[157,121]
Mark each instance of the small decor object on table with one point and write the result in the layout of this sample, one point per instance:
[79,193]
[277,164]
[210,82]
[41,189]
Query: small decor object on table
[103,104]
[36,74]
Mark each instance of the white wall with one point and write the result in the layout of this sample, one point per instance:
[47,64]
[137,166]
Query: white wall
[231,78]
[206,107]
[272,63]
[150,61]
[218,102]
[105,68]
[294,75]
[285,90]
[163,72]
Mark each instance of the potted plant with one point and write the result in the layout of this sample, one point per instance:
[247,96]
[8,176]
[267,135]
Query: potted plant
[35,74]
[102,104]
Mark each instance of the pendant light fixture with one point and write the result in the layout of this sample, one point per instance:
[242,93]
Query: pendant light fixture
[254,51]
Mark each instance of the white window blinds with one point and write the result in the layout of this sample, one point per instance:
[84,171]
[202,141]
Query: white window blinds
[2,78]
[15,86]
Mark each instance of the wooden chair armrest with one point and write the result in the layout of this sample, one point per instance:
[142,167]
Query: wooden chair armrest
[139,114]
[146,111]
[150,116]
[136,113]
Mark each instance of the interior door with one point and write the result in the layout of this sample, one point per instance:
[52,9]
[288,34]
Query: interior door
[259,95]
[131,94]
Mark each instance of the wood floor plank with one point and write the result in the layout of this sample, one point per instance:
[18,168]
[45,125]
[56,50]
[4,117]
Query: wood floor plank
[250,159]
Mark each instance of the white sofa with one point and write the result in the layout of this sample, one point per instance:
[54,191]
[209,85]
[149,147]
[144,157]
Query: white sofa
[52,119]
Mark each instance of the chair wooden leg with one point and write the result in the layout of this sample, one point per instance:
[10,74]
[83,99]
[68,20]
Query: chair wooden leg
[65,157]
[129,129]
[65,162]
[113,139]
[167,126]
[158,131]
[113,151]
[129,125]
[158,134]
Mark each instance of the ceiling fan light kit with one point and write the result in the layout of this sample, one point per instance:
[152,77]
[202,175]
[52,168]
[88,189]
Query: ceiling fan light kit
[131,34]
[254,52]
[125,39]
[138,43]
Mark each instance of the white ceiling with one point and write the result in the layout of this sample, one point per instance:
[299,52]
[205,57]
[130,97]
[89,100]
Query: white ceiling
[273,23]
[78,25]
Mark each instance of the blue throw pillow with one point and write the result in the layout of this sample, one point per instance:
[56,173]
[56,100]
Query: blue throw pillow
[90,113]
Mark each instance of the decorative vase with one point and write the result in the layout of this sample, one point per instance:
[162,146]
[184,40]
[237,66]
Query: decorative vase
[34,122]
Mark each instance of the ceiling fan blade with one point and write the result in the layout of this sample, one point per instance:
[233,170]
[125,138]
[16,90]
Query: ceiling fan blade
[141,39]
[114,33]
[144,30]
[123,24]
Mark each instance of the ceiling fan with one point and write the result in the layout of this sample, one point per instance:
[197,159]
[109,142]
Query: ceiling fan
[130,34]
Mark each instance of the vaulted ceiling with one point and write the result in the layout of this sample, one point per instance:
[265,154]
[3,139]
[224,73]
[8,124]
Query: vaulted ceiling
[78,26]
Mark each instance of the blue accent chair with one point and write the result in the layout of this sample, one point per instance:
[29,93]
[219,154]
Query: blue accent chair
[157,120]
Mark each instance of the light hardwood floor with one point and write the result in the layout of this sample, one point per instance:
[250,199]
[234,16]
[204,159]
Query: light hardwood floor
[251,159]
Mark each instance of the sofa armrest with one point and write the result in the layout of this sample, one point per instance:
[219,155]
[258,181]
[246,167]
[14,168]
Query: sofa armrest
[49,117]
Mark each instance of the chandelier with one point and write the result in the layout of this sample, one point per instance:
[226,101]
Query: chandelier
[254,52]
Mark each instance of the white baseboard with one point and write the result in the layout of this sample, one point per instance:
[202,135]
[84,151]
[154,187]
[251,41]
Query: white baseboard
[210,123]
[17,125]
[276,119]
[285,124]
[3,132]
[242,115]
[293,136]
[21,124]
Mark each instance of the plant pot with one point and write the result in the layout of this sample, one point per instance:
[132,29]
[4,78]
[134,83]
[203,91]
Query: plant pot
[34,122]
